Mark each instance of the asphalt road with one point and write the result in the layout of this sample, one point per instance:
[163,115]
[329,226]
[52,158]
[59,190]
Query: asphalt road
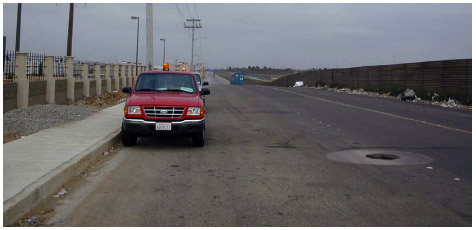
[265,163]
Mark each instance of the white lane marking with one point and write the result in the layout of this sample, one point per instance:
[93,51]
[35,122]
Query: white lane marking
[375,111]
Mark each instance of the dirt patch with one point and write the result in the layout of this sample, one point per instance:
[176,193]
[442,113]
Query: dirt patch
[7,137]
[104,101]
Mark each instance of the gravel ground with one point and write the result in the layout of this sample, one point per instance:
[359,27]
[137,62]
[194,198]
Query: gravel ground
[22,122]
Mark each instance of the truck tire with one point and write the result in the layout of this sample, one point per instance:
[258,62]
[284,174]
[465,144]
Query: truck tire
[128,139]
[199,139]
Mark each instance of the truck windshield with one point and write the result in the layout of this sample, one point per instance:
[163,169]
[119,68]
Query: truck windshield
[166,82]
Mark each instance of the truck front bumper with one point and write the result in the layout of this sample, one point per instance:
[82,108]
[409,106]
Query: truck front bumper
[141,127]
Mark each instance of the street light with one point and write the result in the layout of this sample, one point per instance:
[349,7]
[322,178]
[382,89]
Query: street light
[137,47]
[163,39]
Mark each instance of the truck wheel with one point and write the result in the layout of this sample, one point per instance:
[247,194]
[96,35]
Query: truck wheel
[199,139]
[128,139]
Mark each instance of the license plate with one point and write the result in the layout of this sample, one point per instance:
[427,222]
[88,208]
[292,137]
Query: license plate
[163,126]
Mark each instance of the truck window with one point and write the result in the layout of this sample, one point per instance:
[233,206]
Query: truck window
[166,82]
[199,79]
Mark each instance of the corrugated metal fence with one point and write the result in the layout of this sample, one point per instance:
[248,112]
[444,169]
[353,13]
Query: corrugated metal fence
[448,77]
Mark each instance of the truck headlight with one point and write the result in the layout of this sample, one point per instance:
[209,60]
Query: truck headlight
[194,111]
[133,110]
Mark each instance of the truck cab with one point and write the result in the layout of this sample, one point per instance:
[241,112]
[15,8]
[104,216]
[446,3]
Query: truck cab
[164,103]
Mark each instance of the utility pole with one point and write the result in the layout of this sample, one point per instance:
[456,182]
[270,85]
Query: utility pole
[149,36]
[137,40]
[17,43]
[163,60]
[193,27]
[70,30]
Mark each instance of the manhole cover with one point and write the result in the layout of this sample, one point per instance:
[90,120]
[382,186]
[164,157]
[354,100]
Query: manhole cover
[379,157]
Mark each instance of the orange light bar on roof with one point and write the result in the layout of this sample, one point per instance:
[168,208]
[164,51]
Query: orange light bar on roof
[166,66]
[184,69]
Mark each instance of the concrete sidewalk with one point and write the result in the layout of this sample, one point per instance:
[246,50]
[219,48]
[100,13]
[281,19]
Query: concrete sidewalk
[33,166]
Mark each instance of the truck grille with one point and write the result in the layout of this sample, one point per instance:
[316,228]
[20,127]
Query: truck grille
[163,112]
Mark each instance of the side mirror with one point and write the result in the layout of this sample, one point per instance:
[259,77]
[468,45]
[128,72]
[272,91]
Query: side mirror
[205,83]
[127,90]
[205,91]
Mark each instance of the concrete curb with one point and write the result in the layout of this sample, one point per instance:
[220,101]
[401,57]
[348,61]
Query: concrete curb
[38,192]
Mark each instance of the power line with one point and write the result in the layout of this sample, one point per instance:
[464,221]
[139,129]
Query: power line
[181,17]
[189,14]
[195,8]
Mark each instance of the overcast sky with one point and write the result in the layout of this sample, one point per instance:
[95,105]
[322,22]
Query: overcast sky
[275,35]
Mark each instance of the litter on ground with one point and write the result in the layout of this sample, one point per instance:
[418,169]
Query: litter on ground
[61,193]
[299,84]
[32,220]
[47,210]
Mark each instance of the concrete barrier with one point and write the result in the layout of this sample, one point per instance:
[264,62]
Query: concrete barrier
[103,86]
[37,93]
[92,88]
[78,90]
[9,96]
[113,85]
[61,88]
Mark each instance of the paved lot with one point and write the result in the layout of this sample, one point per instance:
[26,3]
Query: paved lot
[266,163]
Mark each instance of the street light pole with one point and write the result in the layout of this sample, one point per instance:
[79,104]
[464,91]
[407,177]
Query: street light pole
[137,46]
[163,39]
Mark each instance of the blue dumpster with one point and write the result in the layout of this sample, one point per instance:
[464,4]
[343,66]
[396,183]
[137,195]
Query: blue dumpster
[237,79]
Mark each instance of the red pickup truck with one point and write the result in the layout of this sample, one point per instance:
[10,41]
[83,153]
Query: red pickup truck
[164,103]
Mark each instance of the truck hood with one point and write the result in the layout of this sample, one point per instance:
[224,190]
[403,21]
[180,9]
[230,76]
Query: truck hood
[164,99]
